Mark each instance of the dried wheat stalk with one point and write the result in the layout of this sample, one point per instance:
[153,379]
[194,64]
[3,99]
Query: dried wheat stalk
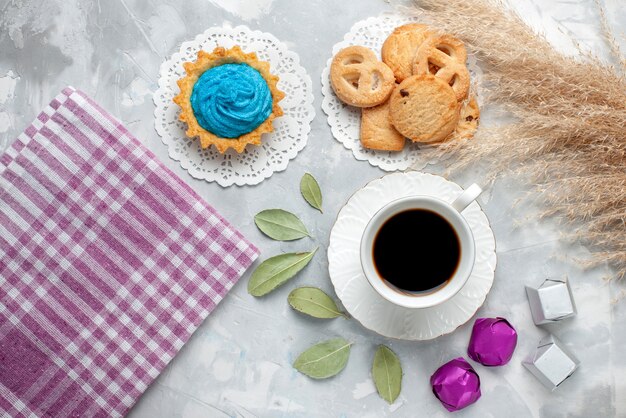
[568,133]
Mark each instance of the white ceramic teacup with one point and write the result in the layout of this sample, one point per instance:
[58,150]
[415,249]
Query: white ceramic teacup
[450,212]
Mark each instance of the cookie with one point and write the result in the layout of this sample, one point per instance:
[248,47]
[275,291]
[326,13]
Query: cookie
[444,56]
[468,121]
[424,108]
[377,132]
[400,47]
[359,78]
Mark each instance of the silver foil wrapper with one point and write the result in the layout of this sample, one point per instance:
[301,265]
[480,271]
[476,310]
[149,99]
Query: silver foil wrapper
[552,362]
[551,301]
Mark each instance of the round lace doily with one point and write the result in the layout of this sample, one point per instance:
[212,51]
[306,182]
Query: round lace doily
[345,120]
[256,163]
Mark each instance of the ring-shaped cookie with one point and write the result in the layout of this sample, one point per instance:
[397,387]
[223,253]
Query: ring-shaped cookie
[444,56]
[359,78]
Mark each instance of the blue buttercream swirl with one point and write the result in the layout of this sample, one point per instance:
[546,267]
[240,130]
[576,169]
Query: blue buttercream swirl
[231,100]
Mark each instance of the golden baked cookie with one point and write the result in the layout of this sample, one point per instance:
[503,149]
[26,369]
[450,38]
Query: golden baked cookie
[400,47]
[359,78]
[221,96]
[424,108]
[468,121]
[444,56]
[377,132]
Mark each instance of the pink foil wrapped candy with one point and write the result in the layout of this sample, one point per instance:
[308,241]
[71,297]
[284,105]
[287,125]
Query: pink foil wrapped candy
[492,342]
[456,384]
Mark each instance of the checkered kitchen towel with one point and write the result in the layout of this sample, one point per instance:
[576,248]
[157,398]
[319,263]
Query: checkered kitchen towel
[108,263]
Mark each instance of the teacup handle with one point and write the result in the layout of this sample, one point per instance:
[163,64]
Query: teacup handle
[468,196]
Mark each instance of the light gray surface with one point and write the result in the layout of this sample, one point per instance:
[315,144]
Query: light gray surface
[238,362]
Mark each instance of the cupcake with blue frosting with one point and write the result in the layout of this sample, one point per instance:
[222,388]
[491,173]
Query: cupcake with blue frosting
[228,99]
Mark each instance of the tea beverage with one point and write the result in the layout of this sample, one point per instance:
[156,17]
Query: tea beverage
[416,250]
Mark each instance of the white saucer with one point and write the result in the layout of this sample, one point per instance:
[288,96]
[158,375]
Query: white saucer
[368,307]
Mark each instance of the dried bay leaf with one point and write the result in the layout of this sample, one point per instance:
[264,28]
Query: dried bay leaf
[280,225]
[311,192]
[276,270]
[387,373]
[313,302]
[325,359]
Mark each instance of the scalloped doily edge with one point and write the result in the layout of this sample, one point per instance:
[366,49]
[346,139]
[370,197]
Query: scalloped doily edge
[185,164]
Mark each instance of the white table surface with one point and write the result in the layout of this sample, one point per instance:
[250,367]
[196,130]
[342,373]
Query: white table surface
[238,363]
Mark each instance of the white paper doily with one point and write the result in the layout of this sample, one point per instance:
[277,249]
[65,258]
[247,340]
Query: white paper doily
[345,120]
[256,163]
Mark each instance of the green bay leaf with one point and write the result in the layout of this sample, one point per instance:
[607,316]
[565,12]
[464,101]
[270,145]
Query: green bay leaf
[313,302]
[311,192]
[280,225]
[276,270]
[387,374]
[325,359]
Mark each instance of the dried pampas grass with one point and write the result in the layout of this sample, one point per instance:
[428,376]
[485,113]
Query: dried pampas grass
[569,120]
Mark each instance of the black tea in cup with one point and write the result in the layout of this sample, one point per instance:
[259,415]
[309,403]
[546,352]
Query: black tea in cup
[416,250]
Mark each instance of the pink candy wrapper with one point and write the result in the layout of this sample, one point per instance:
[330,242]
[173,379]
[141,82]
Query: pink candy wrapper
[492,342]
[456,384]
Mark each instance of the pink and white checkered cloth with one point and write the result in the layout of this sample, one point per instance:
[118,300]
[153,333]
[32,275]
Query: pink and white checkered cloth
[108,264]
